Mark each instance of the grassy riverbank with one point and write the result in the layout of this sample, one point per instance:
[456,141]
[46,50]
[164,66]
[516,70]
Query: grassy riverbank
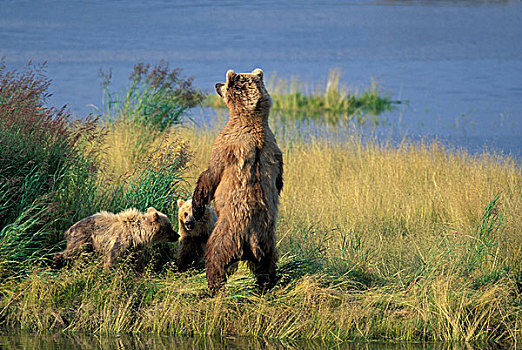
[377,242]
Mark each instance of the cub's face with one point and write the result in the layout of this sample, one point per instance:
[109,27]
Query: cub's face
[245,93]
[159,224]
[185,214]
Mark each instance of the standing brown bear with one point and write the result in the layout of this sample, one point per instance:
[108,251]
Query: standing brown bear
[245,178]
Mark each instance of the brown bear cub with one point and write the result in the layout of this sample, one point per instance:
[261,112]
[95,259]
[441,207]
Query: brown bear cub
[244,178]
[111,235]
[193,235]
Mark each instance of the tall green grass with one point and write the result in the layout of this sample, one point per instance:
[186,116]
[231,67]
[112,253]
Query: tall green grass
[54,172]
[27,240]
[156,96]
[41,164]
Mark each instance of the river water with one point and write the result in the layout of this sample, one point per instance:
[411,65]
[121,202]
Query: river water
[457,63]
[130,342]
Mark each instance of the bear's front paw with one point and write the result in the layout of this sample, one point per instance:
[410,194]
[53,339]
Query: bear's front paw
[198,212]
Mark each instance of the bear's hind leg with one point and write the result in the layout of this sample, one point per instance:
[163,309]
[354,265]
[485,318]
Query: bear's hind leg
[263,259]
[222,251]
[265,272]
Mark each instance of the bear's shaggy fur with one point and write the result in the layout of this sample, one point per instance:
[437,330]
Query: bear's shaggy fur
[244,178]
[113,234]
[193,235]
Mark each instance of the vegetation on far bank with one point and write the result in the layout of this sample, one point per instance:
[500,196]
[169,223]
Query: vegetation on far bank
[334,103]
[377,242]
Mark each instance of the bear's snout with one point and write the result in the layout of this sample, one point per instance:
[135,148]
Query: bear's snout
[190,223]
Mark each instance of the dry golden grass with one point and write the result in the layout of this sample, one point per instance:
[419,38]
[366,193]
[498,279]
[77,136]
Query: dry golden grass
[399,202]
[125,146]
[412,190]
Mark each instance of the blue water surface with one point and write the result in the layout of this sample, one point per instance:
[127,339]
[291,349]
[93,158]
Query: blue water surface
[458,63]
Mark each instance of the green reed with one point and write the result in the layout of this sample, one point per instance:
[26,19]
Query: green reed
[156,96]
[333,103]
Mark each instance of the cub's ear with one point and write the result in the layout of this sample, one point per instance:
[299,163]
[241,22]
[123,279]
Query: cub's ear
[230,75]
[153,213]
[258,72]
[180,202]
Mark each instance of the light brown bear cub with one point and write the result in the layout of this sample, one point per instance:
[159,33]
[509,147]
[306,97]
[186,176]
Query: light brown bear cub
[244,178]
[193,235]
[111,235]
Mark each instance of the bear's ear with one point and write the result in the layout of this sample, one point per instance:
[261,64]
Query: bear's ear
[153,213]
[218,89]
[231,75]
[180,202]
[258,72]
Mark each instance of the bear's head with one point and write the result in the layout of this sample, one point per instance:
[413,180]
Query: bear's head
[158,227]
[186,219]
[245,94]
[189,226]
